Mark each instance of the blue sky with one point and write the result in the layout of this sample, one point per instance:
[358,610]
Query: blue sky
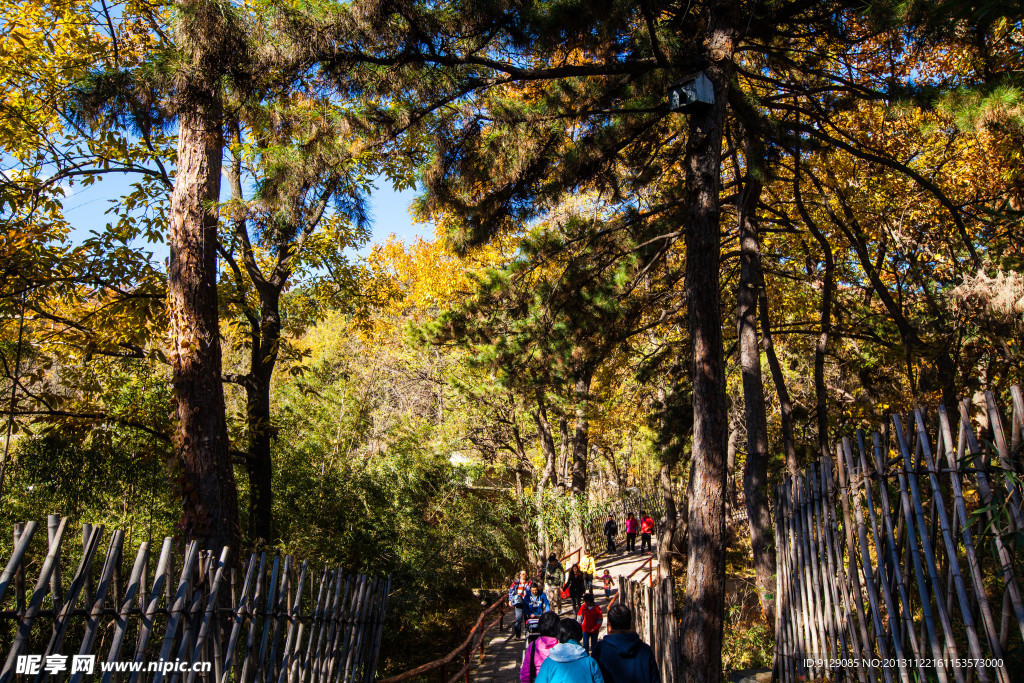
[85,207]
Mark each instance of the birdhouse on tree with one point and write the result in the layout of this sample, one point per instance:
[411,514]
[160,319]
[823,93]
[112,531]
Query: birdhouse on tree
[692,91]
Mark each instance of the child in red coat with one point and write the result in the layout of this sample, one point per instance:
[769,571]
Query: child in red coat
[590,618]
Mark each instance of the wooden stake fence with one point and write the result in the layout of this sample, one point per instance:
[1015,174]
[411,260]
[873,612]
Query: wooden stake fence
[275,621]
[899,560]
[653,607]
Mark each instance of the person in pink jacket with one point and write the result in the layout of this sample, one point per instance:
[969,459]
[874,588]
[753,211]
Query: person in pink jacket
[632,526]
[537,651]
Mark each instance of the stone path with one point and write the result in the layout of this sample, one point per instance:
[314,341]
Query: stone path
[503,657]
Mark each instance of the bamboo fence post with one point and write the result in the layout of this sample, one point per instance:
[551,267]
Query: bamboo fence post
[291,642]
[56,590]
[160,576]
[831,597]
[891,608]
[337,640]
[238,615]
[63,619]
[280,609]
[849,620]
[19,577]
[326,626]
[21,541]
[919,572]
[133,592]
[965,608]
[795,630]
[857,595]
[926,546]
[178,607]
[865,559]
[253,613]
[995,420]
[32,609]
[96,610]
[967,440]
[87,590]
[818,637]
[315,624]
[208,613]
[782,613]
[893,553]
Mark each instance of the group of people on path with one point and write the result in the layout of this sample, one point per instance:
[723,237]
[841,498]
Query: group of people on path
[532,598]
[559,655]
[568,650]
[644,525]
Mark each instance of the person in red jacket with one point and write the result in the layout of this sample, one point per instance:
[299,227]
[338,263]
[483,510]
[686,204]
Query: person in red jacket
[589,617]
[646,529]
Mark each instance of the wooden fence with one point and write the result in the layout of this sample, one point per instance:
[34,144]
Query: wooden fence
[901,560]
[653,608]
[271,622]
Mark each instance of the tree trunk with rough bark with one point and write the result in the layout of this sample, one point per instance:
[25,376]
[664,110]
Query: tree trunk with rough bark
[210,498]
[666,542]
[580,442]
[821,347]
[778,379]
[701,629]
[540,417]
[563,451]
[730,484]
[209,495]
[266,340]
[755,472]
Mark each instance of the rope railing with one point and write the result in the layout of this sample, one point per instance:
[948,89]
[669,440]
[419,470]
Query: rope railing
[465,649]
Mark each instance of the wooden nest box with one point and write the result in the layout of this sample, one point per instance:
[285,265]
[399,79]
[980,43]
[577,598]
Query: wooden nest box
[691,92]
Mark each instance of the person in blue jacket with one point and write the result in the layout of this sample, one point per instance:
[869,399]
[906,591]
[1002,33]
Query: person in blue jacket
[536,602]
[568,662]
[621,655]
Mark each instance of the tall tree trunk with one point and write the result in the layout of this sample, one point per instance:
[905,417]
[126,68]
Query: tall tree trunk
[827,293]
[580,442]
[666,542]
[263,359]
[540,417]
[563,450]
[701,642]
[778,379]
[755,472]
[730,484]
[210,498]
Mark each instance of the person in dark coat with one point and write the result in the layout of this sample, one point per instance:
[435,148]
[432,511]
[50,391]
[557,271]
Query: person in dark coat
[621,655]
[576,582]
[611,530]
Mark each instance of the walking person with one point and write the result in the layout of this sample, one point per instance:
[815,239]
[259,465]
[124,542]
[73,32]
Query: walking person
[608,582]
[632,526]
[554,579]
[590,618]
[568,662]
[589,567]
[576,582]
[646,529]
[538,650]
[516,596]
[611,530]
[621,655]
